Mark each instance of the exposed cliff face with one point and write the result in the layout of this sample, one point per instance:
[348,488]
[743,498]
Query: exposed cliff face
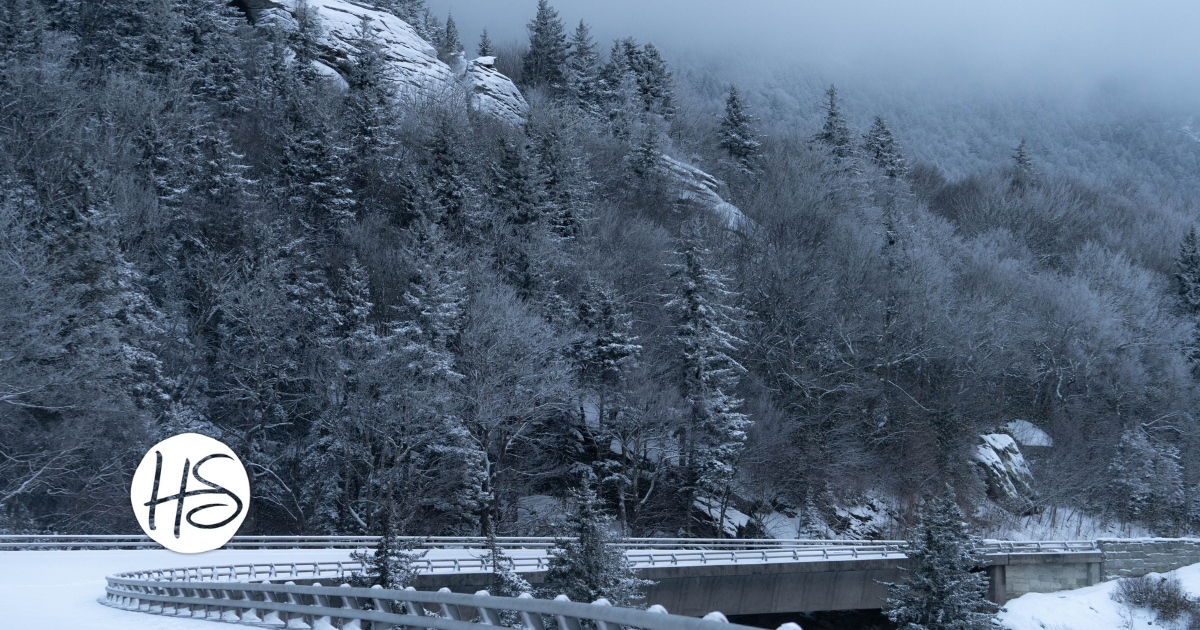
[1009,482]
[493,93]
[414,63]
[697,186]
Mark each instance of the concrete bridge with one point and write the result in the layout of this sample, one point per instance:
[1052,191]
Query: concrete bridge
[740,577]
[844,582]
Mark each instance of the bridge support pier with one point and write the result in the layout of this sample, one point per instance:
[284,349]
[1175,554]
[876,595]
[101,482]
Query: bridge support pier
[997,592]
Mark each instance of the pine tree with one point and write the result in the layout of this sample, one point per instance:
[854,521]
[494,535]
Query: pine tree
[369,103]
[1188,276]
[835,132]
[485,46]
[506,582]
[545,62]
[942,592]
[432,30]
[583,70]
[1022,161]
[391,564]
[313,179]
[606,350]
[654,81]
[705,334]
[881,147]
[450,48]
[305,39]
[1147,482]
[514,185]
[737,134]
[590,566]
[448,181]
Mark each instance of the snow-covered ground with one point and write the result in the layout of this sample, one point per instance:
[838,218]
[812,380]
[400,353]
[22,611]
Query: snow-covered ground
[1090,608]
[53,590]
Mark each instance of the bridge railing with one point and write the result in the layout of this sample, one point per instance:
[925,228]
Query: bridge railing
[349,608]
[66,541]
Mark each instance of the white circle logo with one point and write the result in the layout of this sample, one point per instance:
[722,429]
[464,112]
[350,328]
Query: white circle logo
[190,493]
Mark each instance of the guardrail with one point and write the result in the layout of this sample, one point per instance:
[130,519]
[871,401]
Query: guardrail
[345,607]
[59,541]
[63,541]
[637,558]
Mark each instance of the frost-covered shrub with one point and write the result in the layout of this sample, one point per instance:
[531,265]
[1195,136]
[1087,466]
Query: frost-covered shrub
[1163,595]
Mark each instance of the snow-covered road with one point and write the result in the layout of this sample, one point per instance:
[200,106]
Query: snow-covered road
[53,590]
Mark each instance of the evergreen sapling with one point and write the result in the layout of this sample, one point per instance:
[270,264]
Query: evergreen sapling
[942,592]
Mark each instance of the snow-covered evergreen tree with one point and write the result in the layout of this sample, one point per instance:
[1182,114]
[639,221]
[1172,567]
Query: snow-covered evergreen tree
[737,134]
[835,132]
[881,148]
[450,48]
[1147,482]
[485,48]
[545,62]
[706,334]
[506,582]
[590,566]
[1188,275]
[942,591]
[583,70]
[391,564]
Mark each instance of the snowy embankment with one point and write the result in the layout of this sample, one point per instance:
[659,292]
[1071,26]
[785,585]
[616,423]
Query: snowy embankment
[58,590]
[1090,608]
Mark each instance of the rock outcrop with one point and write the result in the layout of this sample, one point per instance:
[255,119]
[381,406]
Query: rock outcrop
[697,186]
[413,61]
[1009,482]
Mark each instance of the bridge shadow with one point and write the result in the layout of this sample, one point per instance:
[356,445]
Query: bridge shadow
[820,620]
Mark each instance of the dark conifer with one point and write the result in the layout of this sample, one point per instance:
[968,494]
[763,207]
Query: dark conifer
[835,132]
[583,70]
[737,134]
[588,566]
[546,60]
[942,591]
[485,46]
[881,147]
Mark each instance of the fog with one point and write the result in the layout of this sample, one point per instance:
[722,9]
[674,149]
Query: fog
[1149,46]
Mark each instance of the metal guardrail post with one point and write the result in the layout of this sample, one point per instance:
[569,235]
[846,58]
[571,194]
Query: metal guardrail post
[489,616]
[531,621]
[384,605]
[566,622]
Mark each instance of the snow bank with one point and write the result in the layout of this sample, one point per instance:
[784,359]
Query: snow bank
[1090,608]
[413,61]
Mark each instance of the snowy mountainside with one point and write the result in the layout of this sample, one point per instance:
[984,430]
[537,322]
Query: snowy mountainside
[413,61]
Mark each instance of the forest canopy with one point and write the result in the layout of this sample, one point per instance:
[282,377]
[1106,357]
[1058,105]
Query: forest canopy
[398,309]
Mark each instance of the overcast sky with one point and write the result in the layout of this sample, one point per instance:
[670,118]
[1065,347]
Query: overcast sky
[1073,41]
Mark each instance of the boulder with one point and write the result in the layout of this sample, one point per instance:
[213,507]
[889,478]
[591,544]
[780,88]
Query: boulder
[413,62]
[1009,482]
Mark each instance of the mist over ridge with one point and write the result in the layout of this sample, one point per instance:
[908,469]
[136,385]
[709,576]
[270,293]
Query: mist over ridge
[962,85]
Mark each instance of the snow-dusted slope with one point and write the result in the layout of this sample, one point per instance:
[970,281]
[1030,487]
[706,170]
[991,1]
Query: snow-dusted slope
[414,63]
[698,186]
